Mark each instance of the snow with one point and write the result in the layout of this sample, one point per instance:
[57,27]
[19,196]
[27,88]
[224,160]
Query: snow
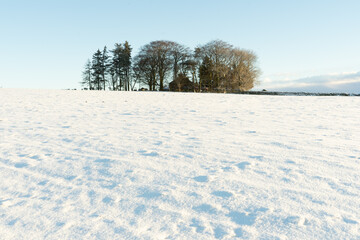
[152,165]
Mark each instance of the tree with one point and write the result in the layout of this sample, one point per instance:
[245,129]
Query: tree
[104,66]
[155,59]
[161,50]
[97,69]
[144,69]
[112,73]
[180,55]
[121,62]
[206,74]
[244,71]
[226,68]
[87,80]
[217,54]
[215,66]
[126,64]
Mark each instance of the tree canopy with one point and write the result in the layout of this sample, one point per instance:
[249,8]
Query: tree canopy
[161,65]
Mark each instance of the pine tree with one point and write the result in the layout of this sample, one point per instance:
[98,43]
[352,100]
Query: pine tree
[86,82]
[104,66]
[121,62]
[206,74]
[126,64]
[97,69]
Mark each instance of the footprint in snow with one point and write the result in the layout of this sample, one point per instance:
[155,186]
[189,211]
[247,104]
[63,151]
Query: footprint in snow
[140,209]
[226,169]
[239,232]
[158,143]
[108,184]
[69,178]
[242,218]
[201,179]
[247,218]
[60,224]
[296,220]
[107,200]
[12,222]
[198,227]
[287,180]
[222,194]
[149,194]
[291,220]
[219,233]
[260,158]
[148,153]
[242,165]
[205,208]
[21,165]
[349,221]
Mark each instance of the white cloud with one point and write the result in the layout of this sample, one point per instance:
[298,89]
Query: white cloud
[335,82]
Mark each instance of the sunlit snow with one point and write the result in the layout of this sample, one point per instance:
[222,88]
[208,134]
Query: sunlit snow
[160,165]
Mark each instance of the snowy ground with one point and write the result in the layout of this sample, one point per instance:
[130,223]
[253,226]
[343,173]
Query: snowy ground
[141,165]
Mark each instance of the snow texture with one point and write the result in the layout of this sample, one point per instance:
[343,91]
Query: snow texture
[152,165]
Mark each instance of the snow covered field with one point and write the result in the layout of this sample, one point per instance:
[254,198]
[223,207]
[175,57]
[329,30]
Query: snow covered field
[146,165]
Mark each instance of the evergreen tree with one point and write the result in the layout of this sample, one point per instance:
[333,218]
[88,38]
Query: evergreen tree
[121,62]
[126,64]
[97,69]
[104,66]
[86,82]
[206,74]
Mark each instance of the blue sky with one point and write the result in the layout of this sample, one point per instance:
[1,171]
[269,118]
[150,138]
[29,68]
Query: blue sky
[45,44]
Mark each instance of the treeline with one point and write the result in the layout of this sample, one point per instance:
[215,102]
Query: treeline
[166,65]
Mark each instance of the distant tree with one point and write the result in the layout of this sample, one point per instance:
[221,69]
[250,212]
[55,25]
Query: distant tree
[161,59]
[179,55]
[121,62]
[161,50]
[226,68]
[215,66]
[87,79]
[154,58]
[206,74]
[243,72]
[145,69]
[104,66]
[113,77]
[97,70]
[126,63]
[217,55]
[116,66]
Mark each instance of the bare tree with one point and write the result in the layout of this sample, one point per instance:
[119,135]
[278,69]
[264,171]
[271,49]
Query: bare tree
[179,55]
[144,69]
[154,59]
[225,68]
[161,49]
[244,71]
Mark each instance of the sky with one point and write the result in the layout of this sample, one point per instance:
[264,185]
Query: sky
[45,43]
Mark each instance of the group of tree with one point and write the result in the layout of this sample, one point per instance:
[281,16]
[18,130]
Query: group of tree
[167,65]
[109,72]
